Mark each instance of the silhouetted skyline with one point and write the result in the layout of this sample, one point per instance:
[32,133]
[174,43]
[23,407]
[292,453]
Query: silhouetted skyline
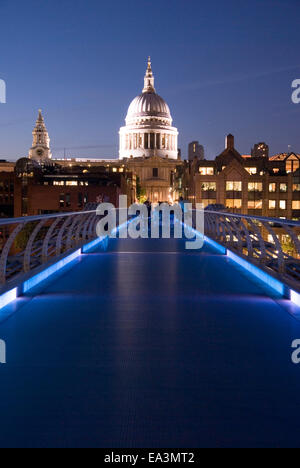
[222,67]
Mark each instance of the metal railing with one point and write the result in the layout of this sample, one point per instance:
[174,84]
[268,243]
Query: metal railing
[28,242]
[269,242]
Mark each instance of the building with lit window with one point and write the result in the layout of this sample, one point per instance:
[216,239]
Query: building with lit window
[242,184]
[51,188]
[260,150]
[195,150]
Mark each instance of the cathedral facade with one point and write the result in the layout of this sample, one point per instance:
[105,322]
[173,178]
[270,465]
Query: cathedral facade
[148,128]
[148,146]
[149,143]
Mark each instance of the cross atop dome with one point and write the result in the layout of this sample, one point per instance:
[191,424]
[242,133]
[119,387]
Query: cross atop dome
[149,79]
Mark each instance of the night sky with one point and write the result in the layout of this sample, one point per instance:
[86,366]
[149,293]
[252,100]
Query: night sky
[222,66]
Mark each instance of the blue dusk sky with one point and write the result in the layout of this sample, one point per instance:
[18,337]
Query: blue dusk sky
[222,66]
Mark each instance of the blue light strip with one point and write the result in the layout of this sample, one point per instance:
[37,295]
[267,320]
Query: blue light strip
[215,245]
[295,297]
[35,280]
[264,277]
[8,297]
[86,248]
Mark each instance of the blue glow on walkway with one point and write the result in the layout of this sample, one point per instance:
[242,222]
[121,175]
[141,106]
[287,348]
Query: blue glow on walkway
[45,274]
[8,297]
[264,277]
[135,347]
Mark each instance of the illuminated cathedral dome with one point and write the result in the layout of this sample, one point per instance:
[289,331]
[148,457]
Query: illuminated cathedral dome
[148,105]
[148,129]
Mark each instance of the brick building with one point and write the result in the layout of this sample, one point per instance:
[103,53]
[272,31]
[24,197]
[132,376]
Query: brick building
[50,188]
[250,185]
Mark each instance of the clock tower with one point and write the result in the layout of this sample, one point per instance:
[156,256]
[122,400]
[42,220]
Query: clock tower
[40,150]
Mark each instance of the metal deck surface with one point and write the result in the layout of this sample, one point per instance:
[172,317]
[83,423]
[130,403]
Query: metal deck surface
[148,345]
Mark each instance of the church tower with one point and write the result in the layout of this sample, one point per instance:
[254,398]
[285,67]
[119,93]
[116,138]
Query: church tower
[40,150]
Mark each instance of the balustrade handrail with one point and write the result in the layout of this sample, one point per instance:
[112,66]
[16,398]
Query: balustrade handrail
[28,219]
[271,243]
[258,218]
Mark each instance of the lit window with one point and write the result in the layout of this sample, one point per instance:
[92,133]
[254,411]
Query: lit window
[207,186]
[234,203]
[283,188]
[207,202]
[296,187]
[282,204]
[296,204]
[292,164]
[272,204]
[206,170]
[251,170]
[272,188]
[58,182]
[233,186]
[115,169]
[70,183]
[62,200]
[255,205]
[255,187]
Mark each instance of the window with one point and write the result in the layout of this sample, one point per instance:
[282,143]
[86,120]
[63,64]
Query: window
[296,187]
[209,186]
[234,203]
[255,205]
[272,204]
[296,204]
[251,170]
[233,186]
[255,187]
[207,202]
[292,164]
[70,183]
[155,172]
[62,200]
[282,204]
[283,188]
[68,200]
[58,182]
[80,199]
[206,170]
[272,188]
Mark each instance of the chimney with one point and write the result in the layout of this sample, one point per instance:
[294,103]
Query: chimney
[229,143]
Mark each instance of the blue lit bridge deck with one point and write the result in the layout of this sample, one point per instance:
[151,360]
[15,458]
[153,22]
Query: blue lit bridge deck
[148,345]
